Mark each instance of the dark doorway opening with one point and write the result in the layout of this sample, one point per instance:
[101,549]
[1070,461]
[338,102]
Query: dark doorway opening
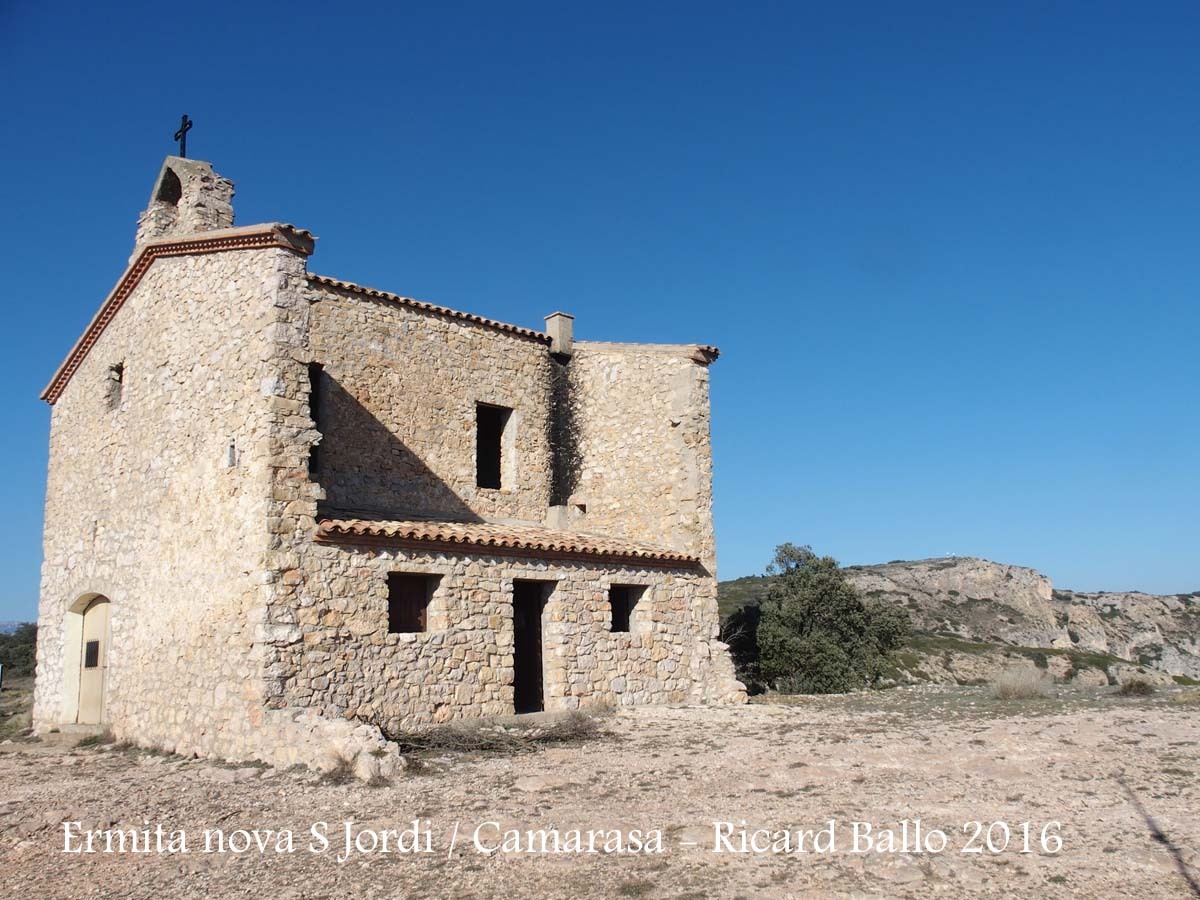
[529,600]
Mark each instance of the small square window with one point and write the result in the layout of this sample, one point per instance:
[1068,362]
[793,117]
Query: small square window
[623,600]
[408,601]
[91,654]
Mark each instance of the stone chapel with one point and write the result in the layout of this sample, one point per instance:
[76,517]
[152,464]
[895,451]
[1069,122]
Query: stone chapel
[285,511]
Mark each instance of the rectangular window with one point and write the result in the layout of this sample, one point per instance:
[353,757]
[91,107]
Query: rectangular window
[623,599]
[315,371]
[408,601]
[490,422]
[91,654]
[116,385]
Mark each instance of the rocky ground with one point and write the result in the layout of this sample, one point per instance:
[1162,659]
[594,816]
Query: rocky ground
[1105,767]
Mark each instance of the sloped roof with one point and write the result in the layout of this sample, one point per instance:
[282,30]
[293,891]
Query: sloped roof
[501,540]
[277,234]
[353,288]
[274,234]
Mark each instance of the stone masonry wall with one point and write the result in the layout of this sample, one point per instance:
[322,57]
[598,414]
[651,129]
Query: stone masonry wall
[345,663]
[642,417]
[159,503]
[187,501]
[399,411]
[189,197]
[180,504]
[641,413]
[327,647]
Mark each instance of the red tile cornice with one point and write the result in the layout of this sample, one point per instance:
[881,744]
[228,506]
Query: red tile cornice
[254,237]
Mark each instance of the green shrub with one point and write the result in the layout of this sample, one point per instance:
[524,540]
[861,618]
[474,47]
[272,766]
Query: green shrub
[18,651]
[1136,687]
[815,634]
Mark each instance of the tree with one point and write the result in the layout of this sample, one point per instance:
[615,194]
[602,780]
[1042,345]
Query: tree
[815,634]
[19,650]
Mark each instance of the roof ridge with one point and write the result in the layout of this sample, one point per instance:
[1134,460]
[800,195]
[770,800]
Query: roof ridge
[424,306]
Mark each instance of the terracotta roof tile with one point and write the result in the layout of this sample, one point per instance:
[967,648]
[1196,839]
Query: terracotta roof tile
[300,232]
[429,307]
[520,540]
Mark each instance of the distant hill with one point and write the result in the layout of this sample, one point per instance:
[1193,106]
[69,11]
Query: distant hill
[965,607]
[9,627]
[746,591]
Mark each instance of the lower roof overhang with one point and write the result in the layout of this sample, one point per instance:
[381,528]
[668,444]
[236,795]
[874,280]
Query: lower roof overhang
[493,539]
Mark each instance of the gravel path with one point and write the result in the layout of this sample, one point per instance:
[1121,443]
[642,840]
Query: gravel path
[1097,764]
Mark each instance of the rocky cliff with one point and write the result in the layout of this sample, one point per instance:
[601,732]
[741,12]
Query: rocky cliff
[1159,632]
[963,607]
[991,602]
[972,598]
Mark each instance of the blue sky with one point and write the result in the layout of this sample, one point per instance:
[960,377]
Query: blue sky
[950,253]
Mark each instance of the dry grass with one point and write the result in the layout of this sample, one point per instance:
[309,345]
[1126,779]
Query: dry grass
[637,887]
[341,772]
[1136,687]
[485,736]
[16,725]
[1188,697]
[16,707]
[96,740]
[1019,684]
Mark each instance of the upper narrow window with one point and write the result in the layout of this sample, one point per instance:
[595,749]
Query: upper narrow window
[490,424]
[623,599]
[116,385]
[315,371]
[408,601]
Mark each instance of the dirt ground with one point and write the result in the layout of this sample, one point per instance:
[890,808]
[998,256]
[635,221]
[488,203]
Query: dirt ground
[1113,772]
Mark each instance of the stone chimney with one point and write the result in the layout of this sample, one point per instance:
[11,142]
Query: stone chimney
[561,328]
[188,197]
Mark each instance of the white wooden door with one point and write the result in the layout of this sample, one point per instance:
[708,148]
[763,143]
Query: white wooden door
[93,664]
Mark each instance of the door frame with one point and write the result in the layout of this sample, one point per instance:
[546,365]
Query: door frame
[72,650]
[547,587]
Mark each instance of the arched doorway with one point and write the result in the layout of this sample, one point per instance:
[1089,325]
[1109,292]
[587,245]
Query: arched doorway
[85,668]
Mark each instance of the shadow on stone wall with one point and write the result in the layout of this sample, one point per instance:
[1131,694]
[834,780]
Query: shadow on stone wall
[368,472]
[740,631]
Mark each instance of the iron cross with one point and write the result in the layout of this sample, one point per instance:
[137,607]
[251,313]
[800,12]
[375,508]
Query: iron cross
[185,125]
